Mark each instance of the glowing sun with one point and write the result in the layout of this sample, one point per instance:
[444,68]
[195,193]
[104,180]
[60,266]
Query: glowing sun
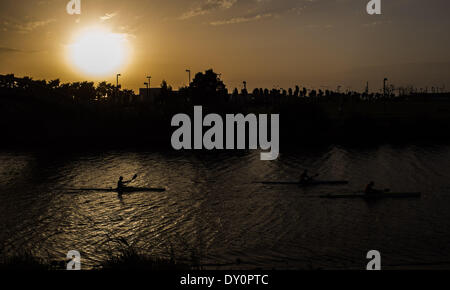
[98,52]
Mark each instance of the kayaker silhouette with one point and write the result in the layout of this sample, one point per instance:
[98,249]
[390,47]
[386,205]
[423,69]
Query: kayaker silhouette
[305,178]
[121,184]
[370,189]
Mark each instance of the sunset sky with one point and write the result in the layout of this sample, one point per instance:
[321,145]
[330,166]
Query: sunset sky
[268,43]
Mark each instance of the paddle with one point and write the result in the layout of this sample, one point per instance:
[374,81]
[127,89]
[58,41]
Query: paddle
[310,179]
[134,177]
[387,190]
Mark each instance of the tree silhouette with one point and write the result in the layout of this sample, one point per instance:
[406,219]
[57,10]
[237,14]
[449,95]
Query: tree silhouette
[105,90]
[166,90]
[297,91]
[207,88]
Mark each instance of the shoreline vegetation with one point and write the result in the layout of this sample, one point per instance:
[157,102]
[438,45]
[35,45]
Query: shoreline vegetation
[130,258]
[119,255]
[39,112]
[124,259]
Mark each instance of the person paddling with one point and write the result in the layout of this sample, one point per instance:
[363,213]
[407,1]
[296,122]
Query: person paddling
[305,178]
[121,184]
[370,190]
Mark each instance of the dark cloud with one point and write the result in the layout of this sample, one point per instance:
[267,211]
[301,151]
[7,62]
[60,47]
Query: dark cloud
[208,6]
[237,20]
[4,50]
[243,11]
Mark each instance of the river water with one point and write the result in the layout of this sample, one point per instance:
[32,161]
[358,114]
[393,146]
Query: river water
[214,208]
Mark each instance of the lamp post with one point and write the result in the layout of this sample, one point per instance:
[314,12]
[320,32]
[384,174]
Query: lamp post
[384,86]
[189,72]
[149,78]
[117,85]
[117,80]
[146,84]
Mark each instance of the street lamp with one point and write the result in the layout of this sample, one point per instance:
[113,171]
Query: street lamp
[117,80]
[189,72]
[147,84]
[149,78]
[384,86]
[117,85]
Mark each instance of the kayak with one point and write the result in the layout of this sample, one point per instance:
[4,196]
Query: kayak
[377,196]
[309,183]
[125,189]
[143,189]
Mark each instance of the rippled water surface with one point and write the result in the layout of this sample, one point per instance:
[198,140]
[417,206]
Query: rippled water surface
[214,207]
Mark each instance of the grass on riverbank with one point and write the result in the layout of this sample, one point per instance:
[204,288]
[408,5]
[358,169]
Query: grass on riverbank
[131,259]
[23,261]
[123,257]
[126,260]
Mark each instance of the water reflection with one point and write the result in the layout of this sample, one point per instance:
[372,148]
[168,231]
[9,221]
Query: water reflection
[213,205]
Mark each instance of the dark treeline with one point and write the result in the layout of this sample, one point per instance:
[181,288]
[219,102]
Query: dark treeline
[81,112]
